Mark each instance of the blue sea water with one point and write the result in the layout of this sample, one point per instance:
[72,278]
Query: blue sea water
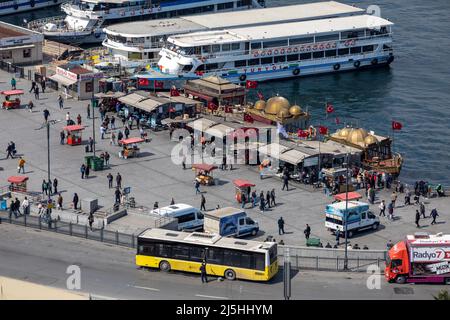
[415,90]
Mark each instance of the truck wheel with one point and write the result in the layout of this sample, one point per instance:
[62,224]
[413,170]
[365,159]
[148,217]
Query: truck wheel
[230,275]
[164,266]
[375,226]
[400,279]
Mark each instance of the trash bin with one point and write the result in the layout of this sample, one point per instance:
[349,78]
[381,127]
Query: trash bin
[87,161]
[96,163]
[313,242]
[3,205]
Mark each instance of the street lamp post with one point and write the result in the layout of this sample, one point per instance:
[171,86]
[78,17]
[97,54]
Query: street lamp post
[48,155]
[345,215]
[93,116]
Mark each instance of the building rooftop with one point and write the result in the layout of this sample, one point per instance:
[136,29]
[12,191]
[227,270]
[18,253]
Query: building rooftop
[282,30]
[74,68]
[9,30]
[220,20]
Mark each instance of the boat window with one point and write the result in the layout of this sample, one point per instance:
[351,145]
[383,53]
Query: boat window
[240,63]
[352,34]
[223,6]
[276,43]
[328,37]
[318,54]
[197,50]
[253,62]
[343,52]
[292,57]
[226,47]
[187,68]
[216,48]
[211,66]
[200,68]
[305,56]
[367,48]
[256,45]
[208,8]
[206,49]
[279,59]
[235,46]
[330,53]
[295,41]
[266,60]
[355,50]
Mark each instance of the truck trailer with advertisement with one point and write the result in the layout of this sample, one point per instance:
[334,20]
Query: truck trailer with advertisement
[420,258]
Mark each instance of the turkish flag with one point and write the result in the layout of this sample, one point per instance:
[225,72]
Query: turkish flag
[143,82]
[260,96]
[330,108]
[302,133]
[323,130]
[159,84]
[396,125]
[251,84]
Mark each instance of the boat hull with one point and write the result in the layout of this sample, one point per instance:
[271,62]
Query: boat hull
[11,7]
[76,37]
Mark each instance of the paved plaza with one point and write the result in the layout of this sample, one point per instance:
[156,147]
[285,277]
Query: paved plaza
[153,177]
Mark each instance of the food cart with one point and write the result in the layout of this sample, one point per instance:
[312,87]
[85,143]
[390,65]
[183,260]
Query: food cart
[203,173]
[18,183]
[351,196]
[242,187]
[130,147]
[74,134]
[11,98]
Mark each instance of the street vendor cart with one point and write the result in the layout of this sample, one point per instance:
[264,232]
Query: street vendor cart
[18,183]
[130,147]
[12,100]
[74,134]
[243,187]
[203,173]
[352,195]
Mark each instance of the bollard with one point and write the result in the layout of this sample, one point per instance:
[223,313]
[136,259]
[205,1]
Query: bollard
[86,231]
[70,227]
[117,237]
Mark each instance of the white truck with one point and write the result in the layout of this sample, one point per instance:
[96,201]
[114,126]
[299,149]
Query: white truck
[230,222]
[357,215]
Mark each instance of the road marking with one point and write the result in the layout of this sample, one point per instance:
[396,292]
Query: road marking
[212,297]
[145,288]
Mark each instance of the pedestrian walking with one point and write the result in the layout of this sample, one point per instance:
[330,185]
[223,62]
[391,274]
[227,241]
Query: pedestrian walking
[254,199]
[434,214]
[118,180]
[43,84]
[268,199]
[9,152]
[46,114]
[60,102]
[280,226]
[68,118]
[243,200]
[12,209]
[30,106]
[382,207]
[417,218]
[13,83]
[407,198]
[17,206]
[79,119]
[338,237]
[59,202]
[107,156]
[272,197]
[91,144]
[203,272]
[391,211]
[202,203]
[127,132]
[82,170]
[75,201]
[102,131]
[261,202]
[285,182]
[197,187]
[21,165]
[113,123]
[26,206]
[49,187]
[394,198]
[44,187]
[91,220]
[36,93]
[33,85]
[112,139]
[155,205]
[307,231]
[88,111]
[86,172]
[62,136]
[55,185]
[422,209]
[119,136]
[117,194]
[110,180]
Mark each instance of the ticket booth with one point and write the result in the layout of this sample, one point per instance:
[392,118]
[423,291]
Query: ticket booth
[18,183]
[74,134]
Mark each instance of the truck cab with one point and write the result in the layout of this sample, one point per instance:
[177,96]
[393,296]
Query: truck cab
[357,216]
[246,226]
[230,221]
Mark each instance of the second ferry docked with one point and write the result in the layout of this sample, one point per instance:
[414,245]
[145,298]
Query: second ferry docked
[86,19]
[276,51]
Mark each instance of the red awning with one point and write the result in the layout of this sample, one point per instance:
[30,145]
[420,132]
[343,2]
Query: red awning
[351,196]
[12,92]
[204,167]
[241,183]
[131,140]
[17,179]
[74,127]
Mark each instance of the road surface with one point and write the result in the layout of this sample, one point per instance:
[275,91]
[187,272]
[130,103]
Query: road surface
[109,271]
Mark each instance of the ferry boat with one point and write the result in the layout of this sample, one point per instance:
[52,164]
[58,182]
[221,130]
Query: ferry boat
[16,6]
[86,19]
[278,51]
[142,40]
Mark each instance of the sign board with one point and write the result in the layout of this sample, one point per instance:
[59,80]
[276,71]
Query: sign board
[90,76]
[440,267]
[66,73]
[309,162]
[429,254]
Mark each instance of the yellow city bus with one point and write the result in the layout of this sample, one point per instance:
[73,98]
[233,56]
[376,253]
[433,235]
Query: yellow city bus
[225,257]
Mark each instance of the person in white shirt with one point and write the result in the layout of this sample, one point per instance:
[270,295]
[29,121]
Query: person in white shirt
[26,206]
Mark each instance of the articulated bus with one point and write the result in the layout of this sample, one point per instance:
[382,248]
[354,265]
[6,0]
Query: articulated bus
[225,257]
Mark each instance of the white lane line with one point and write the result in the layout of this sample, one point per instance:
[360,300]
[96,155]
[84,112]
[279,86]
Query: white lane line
[145,288]
[212,297]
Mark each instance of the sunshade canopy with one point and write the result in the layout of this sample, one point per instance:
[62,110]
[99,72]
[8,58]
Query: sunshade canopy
[241,183]
[204,167]
[131,140]
[17,179]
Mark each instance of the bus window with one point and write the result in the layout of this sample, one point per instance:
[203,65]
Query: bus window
[273,256]
[163,250]
[246,261]
[214,256]
[180,252]
[233,258]
[259,261]
[197,254]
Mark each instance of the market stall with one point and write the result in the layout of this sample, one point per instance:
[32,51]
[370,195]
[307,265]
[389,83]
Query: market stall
[130,147]
[242,187]
[74,134]
[203,173]
[18,183]
[12,100]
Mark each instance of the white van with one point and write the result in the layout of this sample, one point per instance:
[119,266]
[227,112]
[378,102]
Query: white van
[189,218]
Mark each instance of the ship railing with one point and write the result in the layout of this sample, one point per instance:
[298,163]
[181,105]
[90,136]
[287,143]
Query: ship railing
[285,48]
[141,46]
[43,21]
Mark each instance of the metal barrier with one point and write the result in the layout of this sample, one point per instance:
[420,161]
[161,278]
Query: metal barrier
[11,68]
